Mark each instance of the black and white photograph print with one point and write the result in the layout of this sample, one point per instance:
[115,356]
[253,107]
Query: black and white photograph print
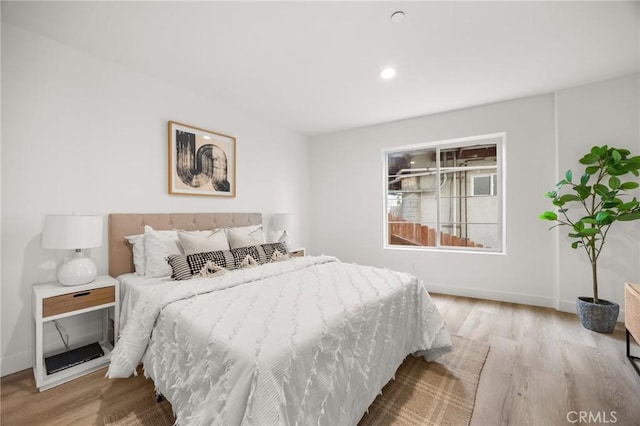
[201,162]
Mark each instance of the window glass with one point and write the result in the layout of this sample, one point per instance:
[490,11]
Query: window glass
[445,195]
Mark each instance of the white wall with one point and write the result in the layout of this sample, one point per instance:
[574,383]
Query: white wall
[538,268]
[348,200]
[84,135]
[607,112]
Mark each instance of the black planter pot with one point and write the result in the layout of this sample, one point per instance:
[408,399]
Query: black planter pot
[601,317]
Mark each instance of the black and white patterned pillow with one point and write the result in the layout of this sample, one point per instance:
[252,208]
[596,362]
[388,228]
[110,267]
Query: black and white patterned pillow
[179,267]
[185,267]
[222,258]
[240,253]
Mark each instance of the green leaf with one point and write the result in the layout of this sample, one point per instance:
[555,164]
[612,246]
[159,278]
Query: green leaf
[602,216]
[601,189]
[569,197]
[616,171]
[602,151]
[608,221]
[616,155]
[616,202]
[589,159]
[614,182]
[578,226]
[549,216]
[589,220]
[592,170]
[551,194]
[583,191]
[584,178]
[629,185]
[587,232]
[627,217]
[628,206]
[575,244]
[609,196]
[568,175]
[624,152]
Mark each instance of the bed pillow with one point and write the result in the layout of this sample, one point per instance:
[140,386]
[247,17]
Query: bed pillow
[199,242]
[245,236]
[186,266]
[158,245]
[137,248]
[249,262]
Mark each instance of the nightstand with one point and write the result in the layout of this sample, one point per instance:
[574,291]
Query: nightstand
[297,252]
[52,301]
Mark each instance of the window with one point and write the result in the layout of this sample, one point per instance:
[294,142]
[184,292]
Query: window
[484,185]
[446,195]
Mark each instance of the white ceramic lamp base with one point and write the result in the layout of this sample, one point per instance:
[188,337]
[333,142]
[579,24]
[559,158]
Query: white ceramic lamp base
[77,270]
[284,239]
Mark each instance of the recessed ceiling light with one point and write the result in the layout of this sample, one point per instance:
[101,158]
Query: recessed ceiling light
[397,16]
[387,73]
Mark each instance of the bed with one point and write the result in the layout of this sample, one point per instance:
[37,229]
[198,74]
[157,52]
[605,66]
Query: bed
[303,340]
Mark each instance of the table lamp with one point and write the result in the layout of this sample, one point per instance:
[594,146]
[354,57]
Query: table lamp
[75,232]
[282,222]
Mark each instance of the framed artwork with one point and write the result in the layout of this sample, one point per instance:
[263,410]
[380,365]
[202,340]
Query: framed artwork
[201,162]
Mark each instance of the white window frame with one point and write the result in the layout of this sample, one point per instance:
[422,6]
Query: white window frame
[500,140]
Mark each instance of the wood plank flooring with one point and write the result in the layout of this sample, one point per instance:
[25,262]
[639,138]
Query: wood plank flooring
[543,369]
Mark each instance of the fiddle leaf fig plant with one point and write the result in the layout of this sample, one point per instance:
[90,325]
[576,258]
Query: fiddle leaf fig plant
[591,204]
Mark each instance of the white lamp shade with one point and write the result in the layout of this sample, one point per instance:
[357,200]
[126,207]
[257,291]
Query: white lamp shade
[72,232]
[282,221]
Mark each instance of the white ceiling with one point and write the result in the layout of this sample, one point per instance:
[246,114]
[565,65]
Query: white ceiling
[312,66]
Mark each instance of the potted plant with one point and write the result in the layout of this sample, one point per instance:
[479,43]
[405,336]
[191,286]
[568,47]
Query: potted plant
[599,200]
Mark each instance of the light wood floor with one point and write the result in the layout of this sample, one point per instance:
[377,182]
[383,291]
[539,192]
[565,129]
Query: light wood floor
[542,367]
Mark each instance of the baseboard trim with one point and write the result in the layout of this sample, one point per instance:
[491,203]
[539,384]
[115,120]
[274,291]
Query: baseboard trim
[500,296]
[16,362]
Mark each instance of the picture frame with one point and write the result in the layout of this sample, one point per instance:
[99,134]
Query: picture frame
[201,162]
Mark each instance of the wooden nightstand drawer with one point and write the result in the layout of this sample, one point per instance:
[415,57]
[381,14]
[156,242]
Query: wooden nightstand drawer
[297,252]
[79,300]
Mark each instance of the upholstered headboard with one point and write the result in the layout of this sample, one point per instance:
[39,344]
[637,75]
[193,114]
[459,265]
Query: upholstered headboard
[123,224]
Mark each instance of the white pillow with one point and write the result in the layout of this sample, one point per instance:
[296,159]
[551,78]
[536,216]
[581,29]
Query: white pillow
[137,244]
[245,236]
[199,242]
[158,245]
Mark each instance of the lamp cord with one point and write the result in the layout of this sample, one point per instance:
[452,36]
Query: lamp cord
[64,339]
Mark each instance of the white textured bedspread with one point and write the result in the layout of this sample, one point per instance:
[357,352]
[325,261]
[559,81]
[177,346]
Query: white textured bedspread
[308,341]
